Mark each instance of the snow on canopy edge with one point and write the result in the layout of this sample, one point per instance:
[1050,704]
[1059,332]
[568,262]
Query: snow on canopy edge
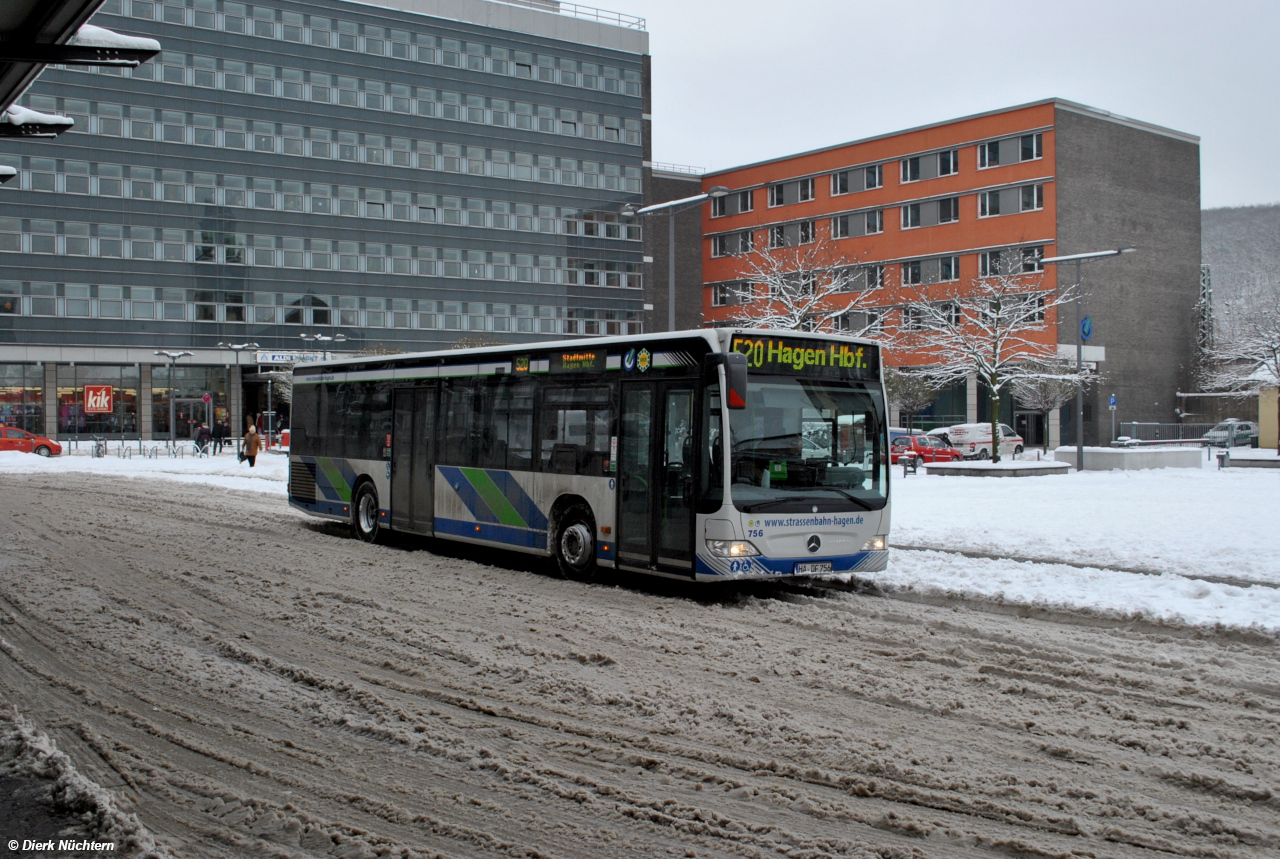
[90,36]
[18,115]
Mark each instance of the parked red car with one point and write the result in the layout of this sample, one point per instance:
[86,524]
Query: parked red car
[923,448]
[25,442]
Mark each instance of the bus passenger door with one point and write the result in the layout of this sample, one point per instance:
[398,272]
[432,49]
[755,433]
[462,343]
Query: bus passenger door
[412,459]
[677,447]
[635,476]
[655,476]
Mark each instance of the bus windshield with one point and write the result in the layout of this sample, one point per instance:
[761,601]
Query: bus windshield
[805,445]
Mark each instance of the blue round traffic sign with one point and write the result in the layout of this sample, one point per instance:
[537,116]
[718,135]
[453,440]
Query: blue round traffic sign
[1086,328]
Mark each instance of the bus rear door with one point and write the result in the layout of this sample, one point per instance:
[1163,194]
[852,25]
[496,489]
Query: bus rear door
[413,459]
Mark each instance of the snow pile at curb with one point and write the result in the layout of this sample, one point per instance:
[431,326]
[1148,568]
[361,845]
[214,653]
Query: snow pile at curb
[26,751]
[1166,599]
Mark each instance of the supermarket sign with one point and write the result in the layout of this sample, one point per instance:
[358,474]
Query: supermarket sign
[288,357]
[97,399]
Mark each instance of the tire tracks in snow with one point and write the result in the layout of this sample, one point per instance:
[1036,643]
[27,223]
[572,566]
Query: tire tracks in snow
[280,690]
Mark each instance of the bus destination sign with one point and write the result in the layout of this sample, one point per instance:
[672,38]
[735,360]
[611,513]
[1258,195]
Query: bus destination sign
[578,361]
[809,357]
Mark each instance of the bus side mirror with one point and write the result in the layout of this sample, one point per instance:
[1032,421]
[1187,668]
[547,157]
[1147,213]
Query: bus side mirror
[735,376]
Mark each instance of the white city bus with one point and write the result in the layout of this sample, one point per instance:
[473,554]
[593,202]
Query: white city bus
[707,455]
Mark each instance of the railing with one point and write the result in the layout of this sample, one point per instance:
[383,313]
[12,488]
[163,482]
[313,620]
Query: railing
[678,168]
[588,13]
[1165,432]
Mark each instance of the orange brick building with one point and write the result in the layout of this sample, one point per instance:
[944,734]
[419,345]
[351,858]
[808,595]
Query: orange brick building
[930,205]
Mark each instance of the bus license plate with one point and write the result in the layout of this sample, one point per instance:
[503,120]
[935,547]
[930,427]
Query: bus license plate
[812,568]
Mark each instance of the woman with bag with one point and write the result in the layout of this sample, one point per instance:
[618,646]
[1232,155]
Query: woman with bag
[252,443]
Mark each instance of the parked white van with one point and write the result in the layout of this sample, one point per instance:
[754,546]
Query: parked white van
[974,440]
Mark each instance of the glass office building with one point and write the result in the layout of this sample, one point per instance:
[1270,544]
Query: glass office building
[403,173]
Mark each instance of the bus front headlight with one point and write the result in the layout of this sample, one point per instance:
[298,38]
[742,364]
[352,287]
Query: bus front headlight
[875,544]
[731,548]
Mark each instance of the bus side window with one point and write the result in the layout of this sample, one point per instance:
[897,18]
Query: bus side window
[459,410]
[576,424]
[505,436]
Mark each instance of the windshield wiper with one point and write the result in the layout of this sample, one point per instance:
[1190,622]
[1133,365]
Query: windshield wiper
[855,499]
[751,508]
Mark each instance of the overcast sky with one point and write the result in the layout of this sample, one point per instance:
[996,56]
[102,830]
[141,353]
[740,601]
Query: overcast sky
[736,81]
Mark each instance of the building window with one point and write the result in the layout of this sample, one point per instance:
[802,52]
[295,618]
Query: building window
[911,169]
[1032,146]
[776,195]
[912,318]
[948,162]
[1032,197]
[730,244]
[950,311]
[875,276]
[840,183]
[840,227]
[988,154]
[949,268]
[949,210]
[806,232]
[1031,258]
[874,176]
[777,237]
[989,263]
[806,190]
[746,201]
[911,273]
[910,216]
[988,204]
[1038,302]
[718,207]
[726,294]
[875,222]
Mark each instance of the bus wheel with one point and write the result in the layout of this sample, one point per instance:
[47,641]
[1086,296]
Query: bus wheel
[365,514]
[575,546]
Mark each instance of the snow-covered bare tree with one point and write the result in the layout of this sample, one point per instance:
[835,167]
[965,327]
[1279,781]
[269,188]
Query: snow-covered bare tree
[909,390]
[1246,353]
[809,284]
[985,327]
[1052,384]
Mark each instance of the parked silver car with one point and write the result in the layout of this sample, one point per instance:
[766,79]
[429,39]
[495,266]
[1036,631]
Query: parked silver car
[1232,432]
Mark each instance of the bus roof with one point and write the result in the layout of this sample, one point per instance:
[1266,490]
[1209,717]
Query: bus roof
[717,338]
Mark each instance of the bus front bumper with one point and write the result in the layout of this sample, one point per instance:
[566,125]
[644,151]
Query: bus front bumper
[710,568]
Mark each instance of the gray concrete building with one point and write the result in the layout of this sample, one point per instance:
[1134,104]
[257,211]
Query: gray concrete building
[316,175]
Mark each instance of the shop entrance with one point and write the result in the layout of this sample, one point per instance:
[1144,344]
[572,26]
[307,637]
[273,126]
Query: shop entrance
[1030,425]
[188,414]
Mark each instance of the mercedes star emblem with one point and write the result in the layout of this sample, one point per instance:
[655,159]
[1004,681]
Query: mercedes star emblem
[815,543]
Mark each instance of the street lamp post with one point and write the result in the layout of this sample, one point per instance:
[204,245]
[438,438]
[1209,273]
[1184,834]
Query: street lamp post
[324,338]
[672,209]
[1078,259]
[173,360]
[238,348]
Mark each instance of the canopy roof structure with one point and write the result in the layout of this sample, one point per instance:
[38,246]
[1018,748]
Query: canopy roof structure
[34,33]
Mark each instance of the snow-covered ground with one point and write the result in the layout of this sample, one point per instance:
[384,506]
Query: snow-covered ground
[1181,545]
[269,473]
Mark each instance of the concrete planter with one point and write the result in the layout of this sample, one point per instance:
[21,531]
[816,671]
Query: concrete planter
[1003,469]
[1132,459]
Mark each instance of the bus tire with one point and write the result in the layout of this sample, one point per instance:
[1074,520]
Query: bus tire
[575,546]
[364,514]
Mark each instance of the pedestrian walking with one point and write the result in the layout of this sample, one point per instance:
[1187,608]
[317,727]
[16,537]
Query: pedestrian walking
[204,437]
[252,444]
[221,432]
